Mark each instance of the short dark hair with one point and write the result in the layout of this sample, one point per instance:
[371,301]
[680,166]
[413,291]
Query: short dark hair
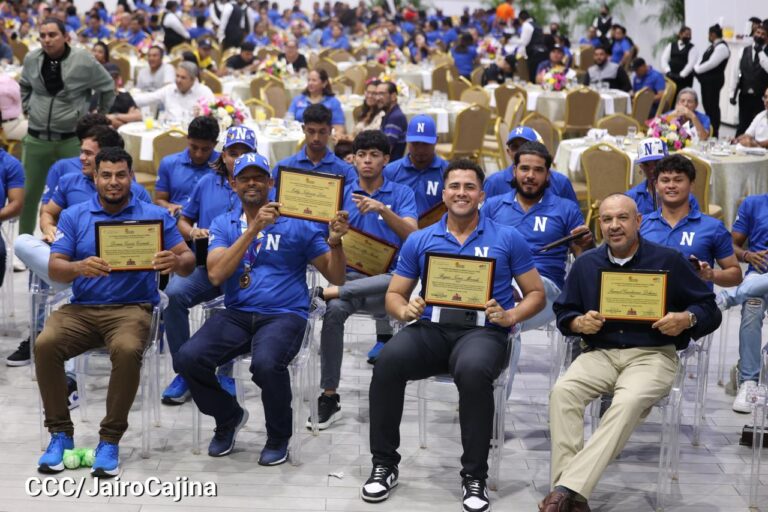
[88,121]
[114,155]
[464,164]
[318,113]
[105,137]
[676,163]
[156,47]
[371,139]
[247,47]
[203,128]
[637,63]
[56,21]
[603,48]
[717,30]
[534,148]
[391,87]
[343,148]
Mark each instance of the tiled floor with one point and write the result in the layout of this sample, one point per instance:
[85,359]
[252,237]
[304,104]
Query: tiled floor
[713,476]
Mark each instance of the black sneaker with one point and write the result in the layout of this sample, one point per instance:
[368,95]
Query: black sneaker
[328,411]
[73,398]
[21,356]
[382,480]
[474,495]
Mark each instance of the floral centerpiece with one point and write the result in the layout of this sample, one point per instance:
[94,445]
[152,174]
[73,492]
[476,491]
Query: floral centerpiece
[391,57]
[273,66]
[224,110]
[403,88]
[676,132]
[556,78]
[488,47]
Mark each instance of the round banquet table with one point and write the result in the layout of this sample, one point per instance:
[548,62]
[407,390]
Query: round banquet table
[419,75]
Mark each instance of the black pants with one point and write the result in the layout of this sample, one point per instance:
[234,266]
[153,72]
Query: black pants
[749,106]
[710,100]
[681,84]
[474,356]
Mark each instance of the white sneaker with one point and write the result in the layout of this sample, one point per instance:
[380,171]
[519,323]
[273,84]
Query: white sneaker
[18,265]
[741,403]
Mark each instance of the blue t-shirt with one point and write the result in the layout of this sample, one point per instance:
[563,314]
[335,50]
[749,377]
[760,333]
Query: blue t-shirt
[330,164]
[548,220]
[136,38]
[78,188]
[342,43]
[279,264]
[102,33]
[752,221]
[701,116]
[465,61]
[211,197]
[59,169]
[257,40]
[652,79]
[300,103]
[644,199]
[76,239]
[426,184]
[501,183]
[177,175]
[11,175]
[697,234]
[618,50]
[502,243]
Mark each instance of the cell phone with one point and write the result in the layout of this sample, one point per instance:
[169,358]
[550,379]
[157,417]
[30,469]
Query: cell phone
[695,262]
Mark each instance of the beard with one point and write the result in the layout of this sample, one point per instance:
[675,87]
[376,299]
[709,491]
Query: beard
[536,194]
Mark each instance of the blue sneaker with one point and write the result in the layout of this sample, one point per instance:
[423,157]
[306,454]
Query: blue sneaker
[106,460]
[52,461]
[228,384]
[224,437]
[177,392]
[374,352]
[274,453]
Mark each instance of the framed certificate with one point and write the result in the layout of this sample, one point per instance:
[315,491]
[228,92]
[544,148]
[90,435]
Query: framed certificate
[458,281]
[309,195]
[129,245]
[368,254]
[432,215]
[637,295]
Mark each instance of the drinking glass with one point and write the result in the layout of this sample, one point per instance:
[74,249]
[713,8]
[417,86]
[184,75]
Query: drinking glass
[620,141]
[632,132]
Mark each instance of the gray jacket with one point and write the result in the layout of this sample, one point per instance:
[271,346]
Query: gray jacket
[82,75]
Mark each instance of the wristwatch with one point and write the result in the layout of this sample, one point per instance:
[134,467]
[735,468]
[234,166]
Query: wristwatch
[691,320]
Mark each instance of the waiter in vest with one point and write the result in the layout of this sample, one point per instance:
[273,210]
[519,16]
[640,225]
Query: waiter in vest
[679,58]
[532,38]
[603,23]
[710,70]
[230,31]
[174,30]
[752,80]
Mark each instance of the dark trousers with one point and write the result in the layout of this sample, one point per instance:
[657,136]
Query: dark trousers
[710,100]
[272,340]
[3,260]
[474,356]
[681,84]
[749,106]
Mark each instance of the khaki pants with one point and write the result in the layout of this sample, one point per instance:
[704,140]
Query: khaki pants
[75,329]
[637,377]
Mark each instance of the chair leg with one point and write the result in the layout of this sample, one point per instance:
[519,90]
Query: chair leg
[81,367]
[702,378]
[297,400]
[44,437]
[497,441]
[664,478]
[145,408]
[421,388]
[757,448]
[722,348]
[195,430]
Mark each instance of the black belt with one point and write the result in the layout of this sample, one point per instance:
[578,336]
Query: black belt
[51,135]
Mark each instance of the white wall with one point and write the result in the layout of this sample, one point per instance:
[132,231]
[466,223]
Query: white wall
[701,14]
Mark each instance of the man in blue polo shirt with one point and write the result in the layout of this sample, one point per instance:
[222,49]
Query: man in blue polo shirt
[315,155]
[621,48]
[502,182]
[260,260]
[95,29]
[179,173]
[541,218]
[211,197]
[646,76]
[471,347]
[421,169]
[394,124]
[107,309]
[387,211]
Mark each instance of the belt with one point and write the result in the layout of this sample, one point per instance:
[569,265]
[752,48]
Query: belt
[9,120]
[51,135]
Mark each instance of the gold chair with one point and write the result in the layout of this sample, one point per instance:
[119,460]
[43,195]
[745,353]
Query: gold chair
[276,96]
[456,87]
[124,65]
[618,124]
[581,106]
[180,48]
[440,79]
[358,75]
[586,57]
[468,134]
[642,102]
[667,99]
[477,76]
[360,54]
[312,60]
[212,81]
[607,172]
[544,127]
[494,147]
[260,82]
[503,93]
[329,66]
[122,48]
[325,52]
[19,49]
[441,59]
[701,187]
[255,105]
[521,69]
[515,109]
[374,69]
[167,143]
[475,94]
[340,55]
[341,81]
[225,55]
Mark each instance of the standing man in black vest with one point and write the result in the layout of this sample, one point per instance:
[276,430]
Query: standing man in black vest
[752,79]
[603,23]
[230,31]
[710,70]
[532,38]
[173,28]
[679,58]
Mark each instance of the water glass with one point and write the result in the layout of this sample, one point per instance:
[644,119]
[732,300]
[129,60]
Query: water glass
[711,145]
[725,142]
[632,132]
[620,141]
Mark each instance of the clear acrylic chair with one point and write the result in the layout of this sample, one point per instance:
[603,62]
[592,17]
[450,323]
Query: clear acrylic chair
[670,408]
[702,347]
[7,297]
[759,397]
[500,386]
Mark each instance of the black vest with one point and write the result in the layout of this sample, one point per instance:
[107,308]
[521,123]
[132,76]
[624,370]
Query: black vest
[171,37]
[678,58]
[753,79]
[233,32]
[718,73]
[604,26]
[538,43]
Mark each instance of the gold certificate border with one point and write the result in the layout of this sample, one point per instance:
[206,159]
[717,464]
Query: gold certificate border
[633,318]
[107,225]
[301,172]
[387,246]
[431,215]
[433,302]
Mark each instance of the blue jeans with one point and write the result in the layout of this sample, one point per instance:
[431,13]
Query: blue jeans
[752,313]
[754,285]
[272,341]
[184,293]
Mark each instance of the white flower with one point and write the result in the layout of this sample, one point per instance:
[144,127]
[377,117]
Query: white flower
[226,122]
[221,113]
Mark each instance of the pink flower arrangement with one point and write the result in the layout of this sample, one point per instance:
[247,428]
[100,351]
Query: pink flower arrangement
[224,110]
[391,56]
[676,132]
[488,47]
[556,80]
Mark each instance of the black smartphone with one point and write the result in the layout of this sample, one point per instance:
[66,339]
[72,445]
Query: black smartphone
[695,262]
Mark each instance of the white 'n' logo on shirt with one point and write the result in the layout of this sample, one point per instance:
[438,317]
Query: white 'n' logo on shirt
[687,238]
[481,252]
[273,242]
[432,188]
[540,223]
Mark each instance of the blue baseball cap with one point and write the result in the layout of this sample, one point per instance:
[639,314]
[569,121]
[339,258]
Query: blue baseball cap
[421,129]
[524,132]
[240,135]
[251,160]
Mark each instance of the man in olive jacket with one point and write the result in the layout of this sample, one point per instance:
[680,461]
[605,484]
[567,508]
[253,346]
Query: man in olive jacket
[57,82]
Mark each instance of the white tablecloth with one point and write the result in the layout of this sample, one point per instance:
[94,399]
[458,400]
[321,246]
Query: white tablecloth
[418,74]
[444,116]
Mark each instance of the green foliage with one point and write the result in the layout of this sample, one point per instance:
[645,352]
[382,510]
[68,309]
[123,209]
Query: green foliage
[670,17]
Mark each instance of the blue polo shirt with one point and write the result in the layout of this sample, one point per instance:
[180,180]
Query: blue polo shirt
[76,239]
[465,62]
[177,175]
[211,197]
[330,164]
[618,50]
[652,79]
[278,273]
[300,103]
[396,197]
[697,234]
[136,38]
[501,183]
[342,43]
[701,116]
[78,188]
[492,240]
[59,169]
[426,184]
[644,199]
[102,33]
[257,40]
[11,175]
[548,220]
[752,221]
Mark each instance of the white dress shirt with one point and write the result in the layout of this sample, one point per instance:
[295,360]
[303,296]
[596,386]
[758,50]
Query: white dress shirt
[720,54]
[149,81]
[177,105]
[693,57]
[173,22]
[526,33]
[226,13]
[759,127]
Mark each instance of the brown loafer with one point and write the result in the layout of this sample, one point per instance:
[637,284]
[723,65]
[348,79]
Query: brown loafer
[556,501]
[580,506]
